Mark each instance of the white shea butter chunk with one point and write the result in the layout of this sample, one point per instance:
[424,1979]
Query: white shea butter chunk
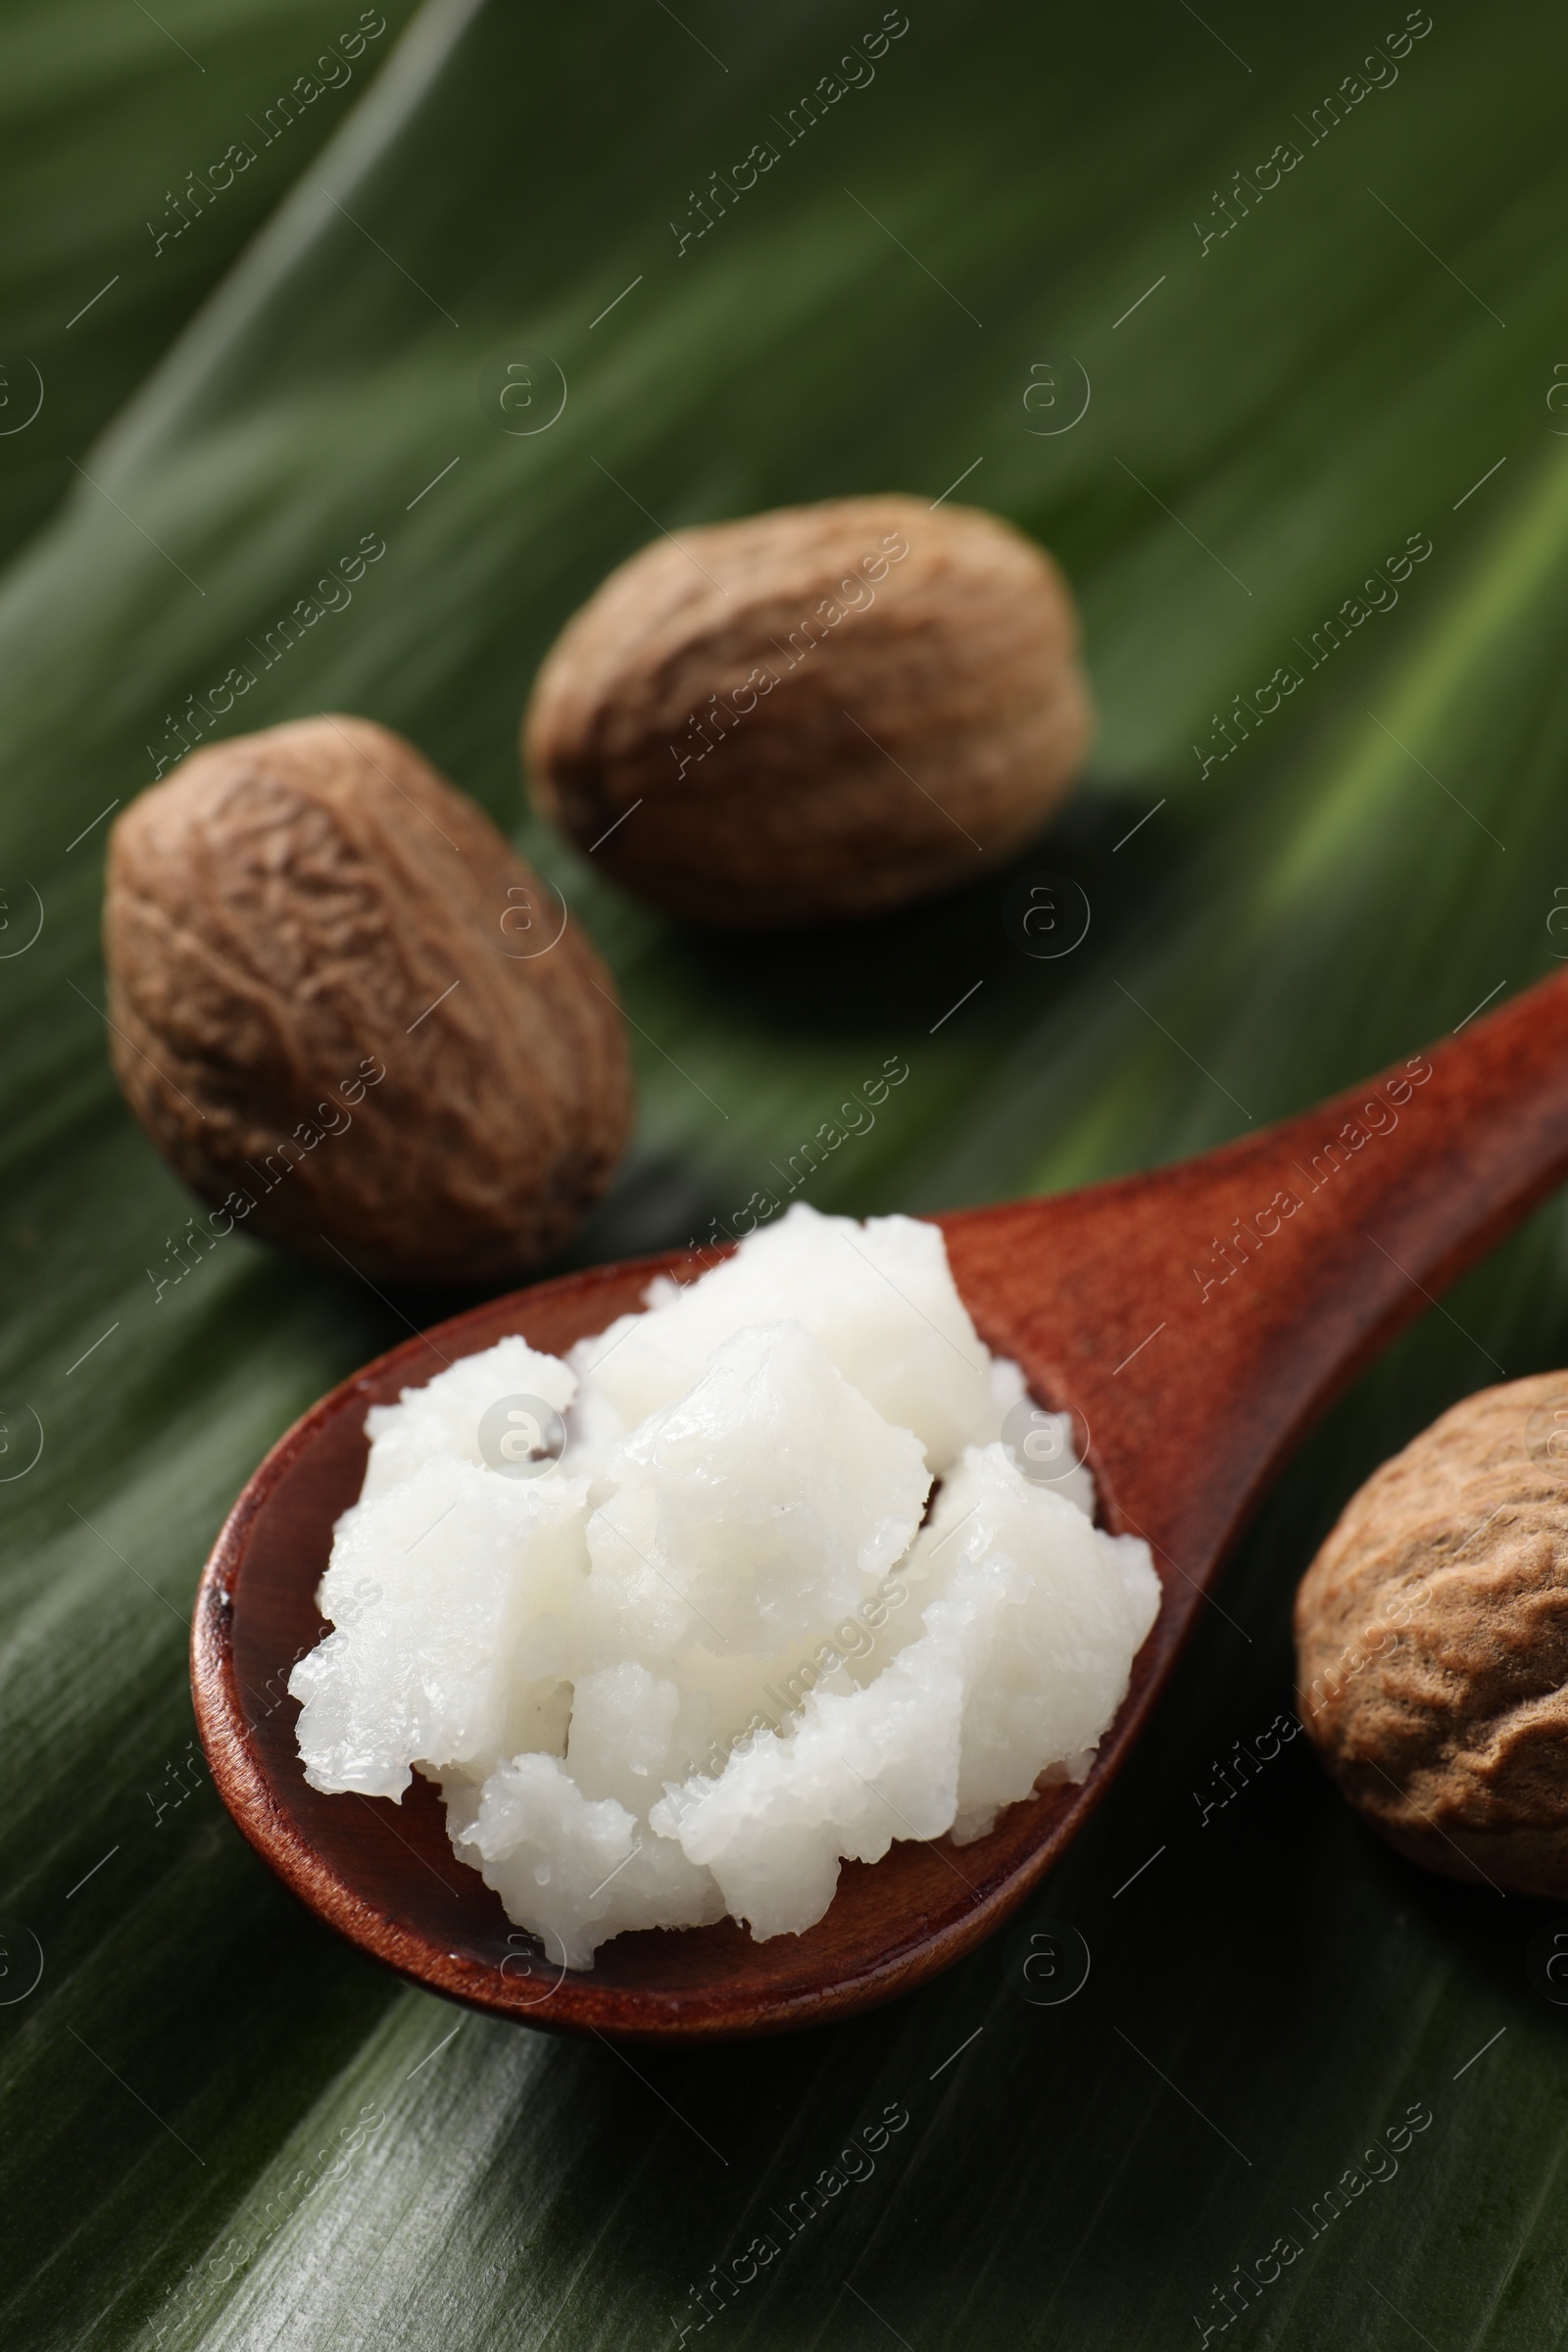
[444,1417]
[879,1298]
[711,1651]
[431,1589]
[577,1870]
[1029,1618]
[760,1508]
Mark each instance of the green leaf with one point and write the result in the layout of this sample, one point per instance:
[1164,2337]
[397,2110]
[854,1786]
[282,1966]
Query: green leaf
[226,2129]
[117,225]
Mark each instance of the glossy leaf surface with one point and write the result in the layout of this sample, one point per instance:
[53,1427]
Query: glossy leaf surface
[224,2130]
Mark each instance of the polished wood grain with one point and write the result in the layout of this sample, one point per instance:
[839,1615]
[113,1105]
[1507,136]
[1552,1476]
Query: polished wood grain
[1196,1320]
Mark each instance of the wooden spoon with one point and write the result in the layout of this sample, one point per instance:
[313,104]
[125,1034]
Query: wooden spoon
[1196,1320]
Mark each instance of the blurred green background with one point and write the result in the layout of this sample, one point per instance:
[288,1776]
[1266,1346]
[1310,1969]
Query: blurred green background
[221,2127]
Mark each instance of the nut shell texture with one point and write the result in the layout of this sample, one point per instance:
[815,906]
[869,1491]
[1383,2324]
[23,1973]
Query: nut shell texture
[292,911]
[816,724]
[1431,1643]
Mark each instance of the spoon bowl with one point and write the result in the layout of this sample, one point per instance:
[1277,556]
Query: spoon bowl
[1195,1321]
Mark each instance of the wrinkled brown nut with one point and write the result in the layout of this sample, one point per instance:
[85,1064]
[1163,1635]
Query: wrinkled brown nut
[337,1012]
[815,713]
[1432,1641]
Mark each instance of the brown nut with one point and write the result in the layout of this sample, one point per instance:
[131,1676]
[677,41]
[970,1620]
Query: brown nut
[815,713]
[1431,1643]
[324,1014]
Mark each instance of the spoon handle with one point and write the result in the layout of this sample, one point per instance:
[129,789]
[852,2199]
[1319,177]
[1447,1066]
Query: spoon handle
[1200,1317]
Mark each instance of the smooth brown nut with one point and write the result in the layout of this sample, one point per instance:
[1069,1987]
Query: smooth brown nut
[292,910]
[815,713]
[1431,1643]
